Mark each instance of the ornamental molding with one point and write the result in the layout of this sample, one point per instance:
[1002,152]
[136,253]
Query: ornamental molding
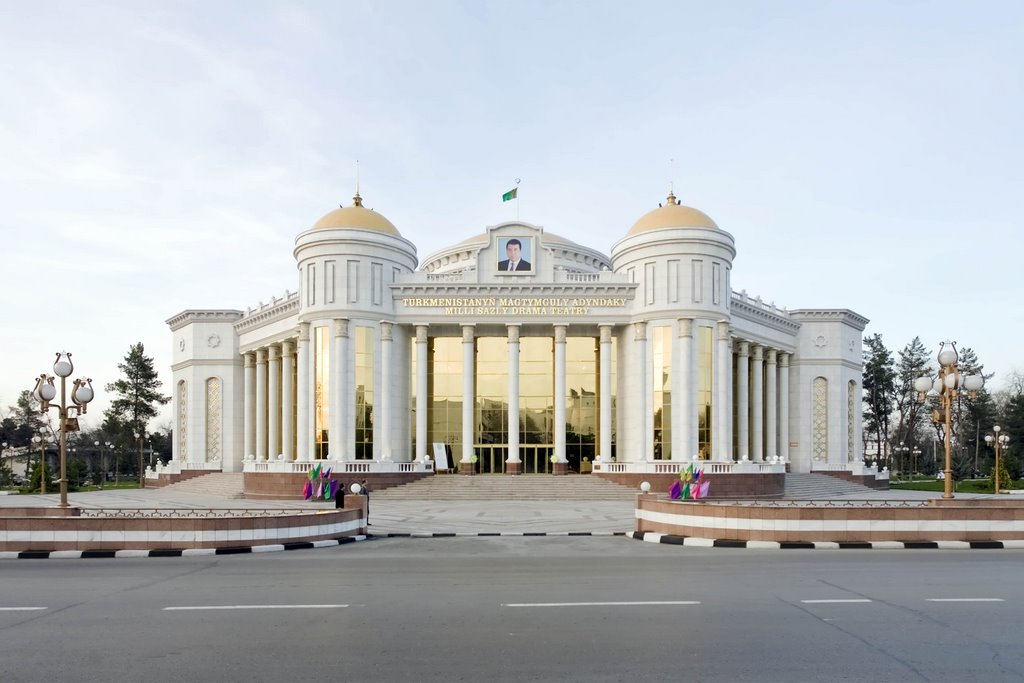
[843,315]
[763,314]
[190,316]
[520,290]
[277,309]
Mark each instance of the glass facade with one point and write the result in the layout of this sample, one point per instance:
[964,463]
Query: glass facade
[322,378]
[704,339]
[661,357]
[366,347]
[444,388]
[536,403]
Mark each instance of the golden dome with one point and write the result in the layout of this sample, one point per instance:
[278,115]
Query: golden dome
[357,216]
[672,215]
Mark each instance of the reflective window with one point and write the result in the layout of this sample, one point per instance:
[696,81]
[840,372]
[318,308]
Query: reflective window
[661,357]
[322,374]
[444,387]
[365,356]
[705,370]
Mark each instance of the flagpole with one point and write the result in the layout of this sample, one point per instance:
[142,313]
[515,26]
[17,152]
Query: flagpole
[517,200]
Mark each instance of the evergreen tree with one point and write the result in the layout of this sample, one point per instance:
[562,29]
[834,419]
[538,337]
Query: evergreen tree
[137,399]
[879,390]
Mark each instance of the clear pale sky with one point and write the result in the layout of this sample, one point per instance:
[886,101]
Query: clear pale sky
[159,156]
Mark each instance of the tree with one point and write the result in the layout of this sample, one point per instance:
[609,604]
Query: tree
[137,398]
[913,363]
[879,389]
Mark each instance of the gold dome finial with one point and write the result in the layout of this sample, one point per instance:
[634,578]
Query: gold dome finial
[671,199]
[357,200]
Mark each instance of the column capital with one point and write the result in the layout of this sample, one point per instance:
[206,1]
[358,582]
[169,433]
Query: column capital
[744,349]
[467,333]
[560,331]
[685,327]
[784,359]
[273,352]
[386,330]
[261,356]
[341,327]
[421,334]
[249,359]
[287,347]
[303,332]
[513,333]
[723,329]
[758,352]
[640,331]
[772,356]
[606,332]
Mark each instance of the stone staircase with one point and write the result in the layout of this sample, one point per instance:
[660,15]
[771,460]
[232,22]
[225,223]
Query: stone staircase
[810,486]
[456,487]
[220,484]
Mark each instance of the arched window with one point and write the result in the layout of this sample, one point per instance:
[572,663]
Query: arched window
[213,421]
[819,419]
[182,421]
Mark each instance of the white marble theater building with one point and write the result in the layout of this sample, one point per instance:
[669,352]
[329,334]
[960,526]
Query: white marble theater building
[637,362]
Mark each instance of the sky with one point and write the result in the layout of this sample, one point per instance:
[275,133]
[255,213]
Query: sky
[162,156]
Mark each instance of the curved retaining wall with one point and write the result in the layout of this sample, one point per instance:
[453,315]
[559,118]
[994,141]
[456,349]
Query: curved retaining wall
[27,529]
[837,521]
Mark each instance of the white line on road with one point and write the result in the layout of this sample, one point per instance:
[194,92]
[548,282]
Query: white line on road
[21,609]
[597,604]
[225,607]
[965,600]
[825,602]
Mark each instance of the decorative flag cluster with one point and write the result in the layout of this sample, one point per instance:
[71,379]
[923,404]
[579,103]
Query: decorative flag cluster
[691,484]
[324,487]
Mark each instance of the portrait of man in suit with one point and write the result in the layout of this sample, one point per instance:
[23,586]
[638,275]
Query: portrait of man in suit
[516,256]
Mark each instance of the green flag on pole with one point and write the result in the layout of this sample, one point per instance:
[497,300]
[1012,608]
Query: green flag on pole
[511,194]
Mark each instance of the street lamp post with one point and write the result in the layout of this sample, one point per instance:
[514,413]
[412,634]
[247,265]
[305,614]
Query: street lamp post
[902,451]
[41,439]
[999,441]
[946,386]
[103,469]
[916,452]
[81,394]
[142,475]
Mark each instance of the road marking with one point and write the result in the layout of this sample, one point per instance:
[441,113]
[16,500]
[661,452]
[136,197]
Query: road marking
[21,609]
[825,602]
[227,607]
[965,600]
[598,604]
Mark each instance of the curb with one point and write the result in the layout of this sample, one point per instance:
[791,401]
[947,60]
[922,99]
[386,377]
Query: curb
[478,534]
[696,542]
[168,552]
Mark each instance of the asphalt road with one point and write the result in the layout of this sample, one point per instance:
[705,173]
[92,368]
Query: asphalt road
[517,609]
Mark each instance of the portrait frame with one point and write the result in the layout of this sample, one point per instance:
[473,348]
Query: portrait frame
[527,255]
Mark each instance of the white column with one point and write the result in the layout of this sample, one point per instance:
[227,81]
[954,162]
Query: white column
[421,393]
[743,401]
[757,404]
[513,398]
[337,388]
[560,393]
[605,399]
[288,400]
[384,402]
[304,382]
[249,411]
[722,396]
[784,406]
[771,413]
[467,398]
[643,368]
[261,405]
[273,402]
[683,431]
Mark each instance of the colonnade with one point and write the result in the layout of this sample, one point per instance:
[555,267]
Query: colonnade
[279,400]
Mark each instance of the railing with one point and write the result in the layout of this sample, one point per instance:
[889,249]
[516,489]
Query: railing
[446,277]
[675,466]
[194,512]
[344,466]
